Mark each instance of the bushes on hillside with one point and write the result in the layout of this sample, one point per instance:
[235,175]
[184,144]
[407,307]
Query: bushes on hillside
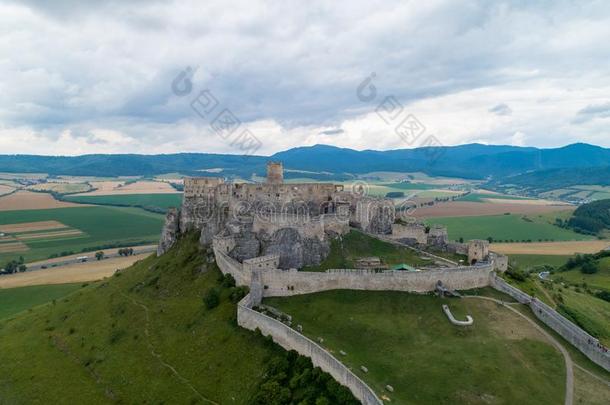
[292,379]
[211,298]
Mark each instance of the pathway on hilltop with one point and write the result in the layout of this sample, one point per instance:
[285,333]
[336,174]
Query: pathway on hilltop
[158,356]
[569,395]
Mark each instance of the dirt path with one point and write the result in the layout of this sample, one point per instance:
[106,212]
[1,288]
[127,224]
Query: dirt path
[598,378]
[569,395]
[158,356]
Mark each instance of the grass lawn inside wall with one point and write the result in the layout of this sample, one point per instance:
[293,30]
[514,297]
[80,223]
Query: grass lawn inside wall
[405,340]
[344,252]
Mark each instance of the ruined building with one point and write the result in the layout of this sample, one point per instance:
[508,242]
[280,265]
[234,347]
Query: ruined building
[294,221]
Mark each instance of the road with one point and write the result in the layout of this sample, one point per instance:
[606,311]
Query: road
[73,259]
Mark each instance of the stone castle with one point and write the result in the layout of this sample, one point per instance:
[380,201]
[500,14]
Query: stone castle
[294,221]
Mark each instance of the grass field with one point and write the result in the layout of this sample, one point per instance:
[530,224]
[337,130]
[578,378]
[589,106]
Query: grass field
[481,197]
[599,280]
[590,313]
[15,300]
[111,342]
[99,226]
[406,341]
[163,201]
[355,244]
[73,273]
[515,228]
[62,188]
[528,261]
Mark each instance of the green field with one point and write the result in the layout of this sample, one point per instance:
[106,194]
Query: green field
[481,197]
[144,336]
[503,228]
[355,245]
[163,201]
[599,280]
[406,341]
[590,313]
[100,225]
[528,261]
[15,300]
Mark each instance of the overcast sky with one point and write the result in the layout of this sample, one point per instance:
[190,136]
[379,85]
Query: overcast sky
[79,77]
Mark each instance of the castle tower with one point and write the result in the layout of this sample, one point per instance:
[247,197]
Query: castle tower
[275,173]
[478,251]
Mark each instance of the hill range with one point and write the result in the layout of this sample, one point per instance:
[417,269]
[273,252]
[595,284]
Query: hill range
[574,163]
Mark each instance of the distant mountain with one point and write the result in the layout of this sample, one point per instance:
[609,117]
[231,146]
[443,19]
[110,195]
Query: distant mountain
[471,161]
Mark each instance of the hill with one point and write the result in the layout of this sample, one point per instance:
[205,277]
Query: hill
[325,162]
[145,336]
[593,217]
[540,181]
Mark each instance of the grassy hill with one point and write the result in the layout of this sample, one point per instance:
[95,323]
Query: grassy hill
[145,336]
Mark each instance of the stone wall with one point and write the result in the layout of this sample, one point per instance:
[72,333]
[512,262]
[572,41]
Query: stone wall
[587,344]
[290,339]
[294,282]
[227,264]
[416,232]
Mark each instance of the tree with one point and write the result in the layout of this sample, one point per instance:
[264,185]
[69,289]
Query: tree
[99,255]
[589,267]
[22,268]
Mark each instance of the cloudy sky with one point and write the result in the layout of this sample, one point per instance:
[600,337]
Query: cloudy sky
[80,77]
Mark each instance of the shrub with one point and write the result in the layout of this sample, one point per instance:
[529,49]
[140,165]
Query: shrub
[227,281]
[211,298]
[589,268]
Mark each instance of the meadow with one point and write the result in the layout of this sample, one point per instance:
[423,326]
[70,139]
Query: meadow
[99,226]
[15,300]
[406,341]
[502,228]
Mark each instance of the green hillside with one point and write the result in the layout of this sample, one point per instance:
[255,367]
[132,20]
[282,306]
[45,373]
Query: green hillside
[145,336]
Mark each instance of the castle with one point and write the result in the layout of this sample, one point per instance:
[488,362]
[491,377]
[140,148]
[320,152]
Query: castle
[295,221]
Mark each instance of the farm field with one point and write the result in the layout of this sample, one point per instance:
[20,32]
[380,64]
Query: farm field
[61,188]
[483,196]
[551,248]
[506,228]
[406,341]
[121,188]
[469,208]
[73,273]
[97,226]
[15,300]
[28,200]
[6,189]
[163,201]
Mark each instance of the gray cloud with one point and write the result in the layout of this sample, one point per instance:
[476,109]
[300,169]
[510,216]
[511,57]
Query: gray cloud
[591,112]
[335,131]
[70,65]
[501,109]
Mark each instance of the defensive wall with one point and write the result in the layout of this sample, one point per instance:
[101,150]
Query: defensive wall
[587,344]
[293,282]
[290,339]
